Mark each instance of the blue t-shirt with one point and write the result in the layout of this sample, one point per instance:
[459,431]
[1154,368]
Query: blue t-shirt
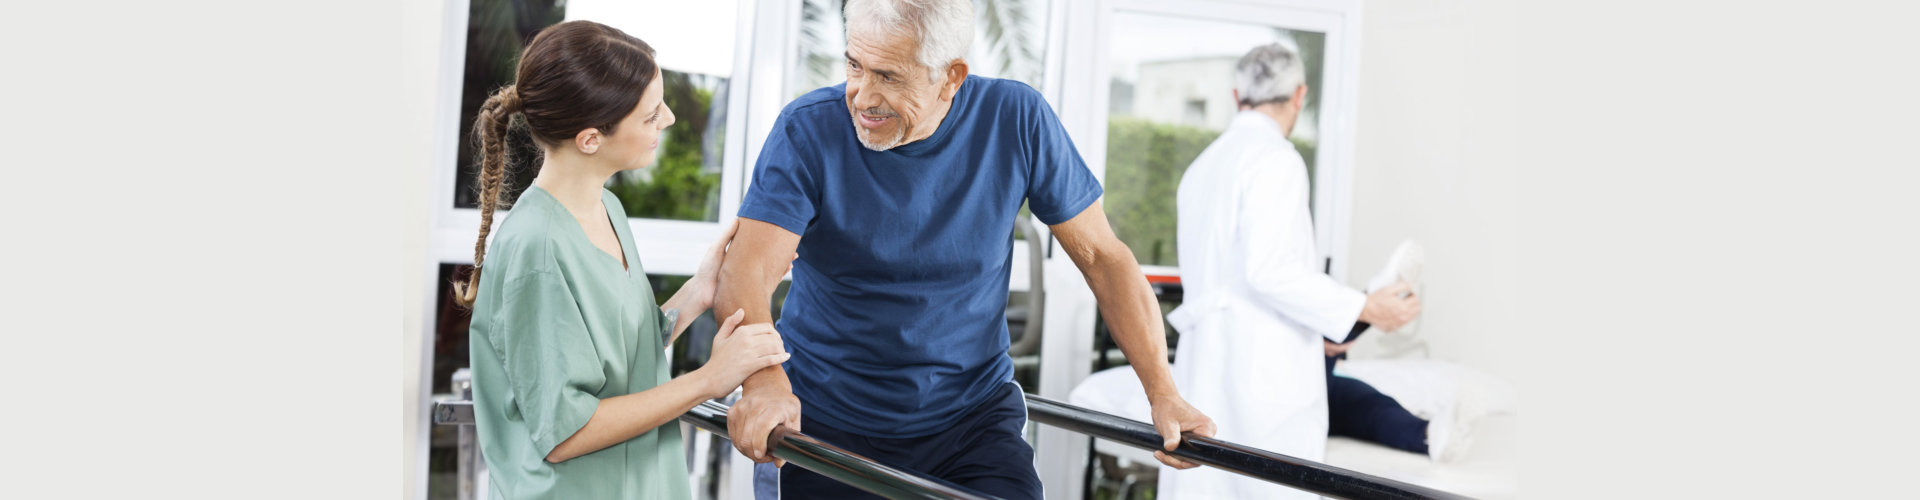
[897,314]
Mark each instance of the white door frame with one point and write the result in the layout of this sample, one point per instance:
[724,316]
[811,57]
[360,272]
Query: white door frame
[1079,91]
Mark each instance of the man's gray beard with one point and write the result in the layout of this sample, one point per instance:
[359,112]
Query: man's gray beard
[898,136]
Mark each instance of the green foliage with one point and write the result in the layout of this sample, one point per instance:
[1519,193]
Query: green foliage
[1144,163]
[1145,160]
[1004,23]
[679,189]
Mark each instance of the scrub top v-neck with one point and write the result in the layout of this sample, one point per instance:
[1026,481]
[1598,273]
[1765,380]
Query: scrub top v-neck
[558,325]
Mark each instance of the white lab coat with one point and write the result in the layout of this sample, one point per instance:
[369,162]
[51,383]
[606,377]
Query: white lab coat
[1256,307]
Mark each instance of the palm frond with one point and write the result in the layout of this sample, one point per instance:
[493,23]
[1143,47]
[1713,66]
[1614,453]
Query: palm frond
[1005,24]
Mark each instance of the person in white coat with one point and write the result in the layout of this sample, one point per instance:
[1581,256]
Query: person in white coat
[1257,306]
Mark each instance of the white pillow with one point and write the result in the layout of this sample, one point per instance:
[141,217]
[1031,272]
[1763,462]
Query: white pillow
[1426,387]
[1113,390]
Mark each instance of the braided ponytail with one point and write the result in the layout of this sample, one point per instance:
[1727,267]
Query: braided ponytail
[573,76]
[496,117]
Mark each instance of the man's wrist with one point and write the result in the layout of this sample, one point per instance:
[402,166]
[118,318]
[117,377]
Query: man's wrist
[1156,396]
[766,380]
[1159,389]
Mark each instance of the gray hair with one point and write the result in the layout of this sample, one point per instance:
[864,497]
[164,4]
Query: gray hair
[944,28]
[1268,73]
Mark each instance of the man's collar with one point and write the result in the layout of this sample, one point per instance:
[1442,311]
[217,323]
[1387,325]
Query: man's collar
[1259,120]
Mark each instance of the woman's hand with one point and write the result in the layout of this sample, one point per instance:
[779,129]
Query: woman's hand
[705,280]
[739,352]
[696,295]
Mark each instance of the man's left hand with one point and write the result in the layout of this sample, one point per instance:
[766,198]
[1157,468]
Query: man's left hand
[1172,416]
[1333,349]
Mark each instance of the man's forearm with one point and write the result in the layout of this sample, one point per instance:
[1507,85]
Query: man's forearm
[1132,315]
[747,287]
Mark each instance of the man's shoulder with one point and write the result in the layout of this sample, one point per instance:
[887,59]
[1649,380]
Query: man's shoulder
[821,103]
[1239,152]
[1260,144]
[1004,94]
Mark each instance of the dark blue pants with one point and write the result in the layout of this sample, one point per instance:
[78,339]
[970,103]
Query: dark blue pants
[1356,410]
[986,452]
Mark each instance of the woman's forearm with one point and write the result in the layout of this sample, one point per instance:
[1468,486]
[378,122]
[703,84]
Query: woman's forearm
[621,418]
[689,301]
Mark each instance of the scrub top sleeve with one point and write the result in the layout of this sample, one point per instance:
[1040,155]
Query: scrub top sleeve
[1059,184]
[784,192]
[549,358]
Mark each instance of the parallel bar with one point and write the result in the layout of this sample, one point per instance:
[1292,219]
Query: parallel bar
[452,412]
[886,481]
[841,465]
[1247,461]
[796,448]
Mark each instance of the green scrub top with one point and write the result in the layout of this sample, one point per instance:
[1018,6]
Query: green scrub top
[557,326]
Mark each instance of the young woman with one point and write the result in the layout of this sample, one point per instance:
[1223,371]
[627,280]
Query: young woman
[571,391]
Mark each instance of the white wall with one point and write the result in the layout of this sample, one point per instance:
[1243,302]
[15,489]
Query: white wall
[420,52]
[1434,162]
[1162,90]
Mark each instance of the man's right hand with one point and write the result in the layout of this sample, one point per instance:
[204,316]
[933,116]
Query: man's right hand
[1388,310]
[752,419]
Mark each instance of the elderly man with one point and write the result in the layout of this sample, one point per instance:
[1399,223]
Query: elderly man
[1259,316]
[899,190]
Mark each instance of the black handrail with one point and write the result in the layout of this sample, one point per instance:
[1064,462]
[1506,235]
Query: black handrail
[796,448]
[841,465]
[452,413]
[1247,461]
[889,482]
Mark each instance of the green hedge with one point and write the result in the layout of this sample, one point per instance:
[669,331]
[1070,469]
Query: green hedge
[1145,160]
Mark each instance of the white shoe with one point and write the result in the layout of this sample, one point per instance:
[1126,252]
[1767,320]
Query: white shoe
[1450,433]
[1405,264]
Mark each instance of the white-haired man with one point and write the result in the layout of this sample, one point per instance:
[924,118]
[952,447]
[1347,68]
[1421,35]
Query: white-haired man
[1259,317]
[899,190]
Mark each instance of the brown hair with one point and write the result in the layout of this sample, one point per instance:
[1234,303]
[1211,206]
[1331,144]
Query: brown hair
[574,76]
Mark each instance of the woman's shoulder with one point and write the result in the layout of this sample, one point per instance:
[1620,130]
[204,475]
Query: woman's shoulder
[524,241]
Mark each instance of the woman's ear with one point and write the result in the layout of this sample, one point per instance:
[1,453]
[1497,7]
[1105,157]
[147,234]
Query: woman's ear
[587,141]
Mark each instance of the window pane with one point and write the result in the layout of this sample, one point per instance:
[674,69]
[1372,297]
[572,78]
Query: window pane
[694,44]
[1171,95]
[1009,41]
[497,30]
[684,181]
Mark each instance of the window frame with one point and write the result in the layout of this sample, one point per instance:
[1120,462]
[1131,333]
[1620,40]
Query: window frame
[664,250]
[1339,20]
[1084,35]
